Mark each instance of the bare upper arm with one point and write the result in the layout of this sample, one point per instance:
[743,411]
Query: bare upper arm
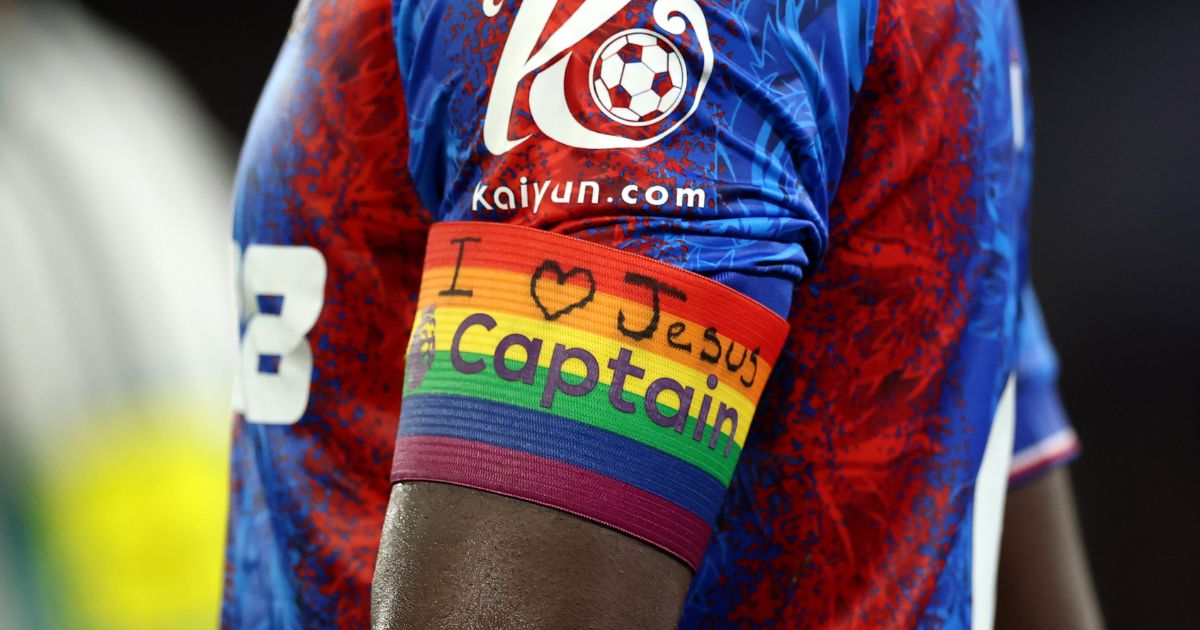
[453,557]
[1044,580]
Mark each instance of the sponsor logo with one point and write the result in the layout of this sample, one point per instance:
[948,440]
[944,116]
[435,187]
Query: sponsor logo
[529,195]
[638,77]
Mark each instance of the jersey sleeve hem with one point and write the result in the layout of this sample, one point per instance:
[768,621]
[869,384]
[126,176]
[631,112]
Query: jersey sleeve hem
[1052,451]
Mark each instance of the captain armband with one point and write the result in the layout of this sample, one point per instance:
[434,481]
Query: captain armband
[584,378]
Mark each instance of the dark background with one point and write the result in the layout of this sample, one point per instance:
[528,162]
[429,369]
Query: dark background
[1117,87]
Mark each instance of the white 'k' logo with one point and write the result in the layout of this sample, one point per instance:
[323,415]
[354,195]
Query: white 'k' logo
[638,76]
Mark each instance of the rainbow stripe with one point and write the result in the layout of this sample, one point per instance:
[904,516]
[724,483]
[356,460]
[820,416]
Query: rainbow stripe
[599,371]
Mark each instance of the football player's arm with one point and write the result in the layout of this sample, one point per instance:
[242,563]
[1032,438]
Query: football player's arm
[615,428]
[1044,580]
[454,557]
[552,510]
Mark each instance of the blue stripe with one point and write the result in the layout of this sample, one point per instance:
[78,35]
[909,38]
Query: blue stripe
[575,443]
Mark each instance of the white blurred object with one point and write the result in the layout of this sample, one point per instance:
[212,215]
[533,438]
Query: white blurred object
[117,331]
[113,225]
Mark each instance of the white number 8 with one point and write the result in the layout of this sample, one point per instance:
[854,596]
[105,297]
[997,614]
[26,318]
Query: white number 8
[281,296]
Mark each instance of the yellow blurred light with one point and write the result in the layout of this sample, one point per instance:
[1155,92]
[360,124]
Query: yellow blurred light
[135,524]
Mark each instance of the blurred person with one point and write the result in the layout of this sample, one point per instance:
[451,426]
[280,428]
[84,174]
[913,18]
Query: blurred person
[114,347]
[661,203]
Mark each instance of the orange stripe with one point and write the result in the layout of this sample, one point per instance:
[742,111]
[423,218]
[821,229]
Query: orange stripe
[521,250]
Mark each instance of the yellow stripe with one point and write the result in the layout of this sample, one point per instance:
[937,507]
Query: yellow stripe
[497,291]
[479,340]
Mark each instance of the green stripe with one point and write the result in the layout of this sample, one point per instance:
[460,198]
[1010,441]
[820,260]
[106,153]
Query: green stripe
[593,409]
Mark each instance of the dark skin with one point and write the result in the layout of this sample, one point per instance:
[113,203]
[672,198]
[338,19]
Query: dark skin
[1044,582]
[459,558]
[454,557]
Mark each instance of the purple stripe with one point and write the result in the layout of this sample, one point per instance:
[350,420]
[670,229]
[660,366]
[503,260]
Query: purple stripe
[555,484]
[561,439]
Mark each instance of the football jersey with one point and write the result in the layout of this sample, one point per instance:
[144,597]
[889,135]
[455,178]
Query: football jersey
[860,168]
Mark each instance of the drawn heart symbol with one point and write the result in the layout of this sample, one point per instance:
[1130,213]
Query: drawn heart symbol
[555,309]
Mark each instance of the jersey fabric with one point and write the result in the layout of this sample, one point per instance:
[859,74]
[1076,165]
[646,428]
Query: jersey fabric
[860,168]
[322,170]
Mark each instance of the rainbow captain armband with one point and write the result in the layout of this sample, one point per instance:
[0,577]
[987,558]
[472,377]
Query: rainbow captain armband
[581,377]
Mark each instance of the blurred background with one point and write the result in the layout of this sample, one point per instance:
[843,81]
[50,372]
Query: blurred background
[119,122]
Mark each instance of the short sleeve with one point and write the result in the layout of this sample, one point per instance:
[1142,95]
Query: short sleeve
[1044,437]
[702,136]
[629,192]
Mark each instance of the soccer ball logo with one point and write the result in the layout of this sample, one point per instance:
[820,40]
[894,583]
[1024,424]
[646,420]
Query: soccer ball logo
[638,77]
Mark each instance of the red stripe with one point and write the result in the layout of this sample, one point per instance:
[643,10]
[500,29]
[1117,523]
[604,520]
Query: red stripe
[548,482]
[1034,469]
[521,249]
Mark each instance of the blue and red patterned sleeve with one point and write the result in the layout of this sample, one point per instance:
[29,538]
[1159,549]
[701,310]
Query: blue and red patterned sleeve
[705,135]
[1044,437]
[689,152]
